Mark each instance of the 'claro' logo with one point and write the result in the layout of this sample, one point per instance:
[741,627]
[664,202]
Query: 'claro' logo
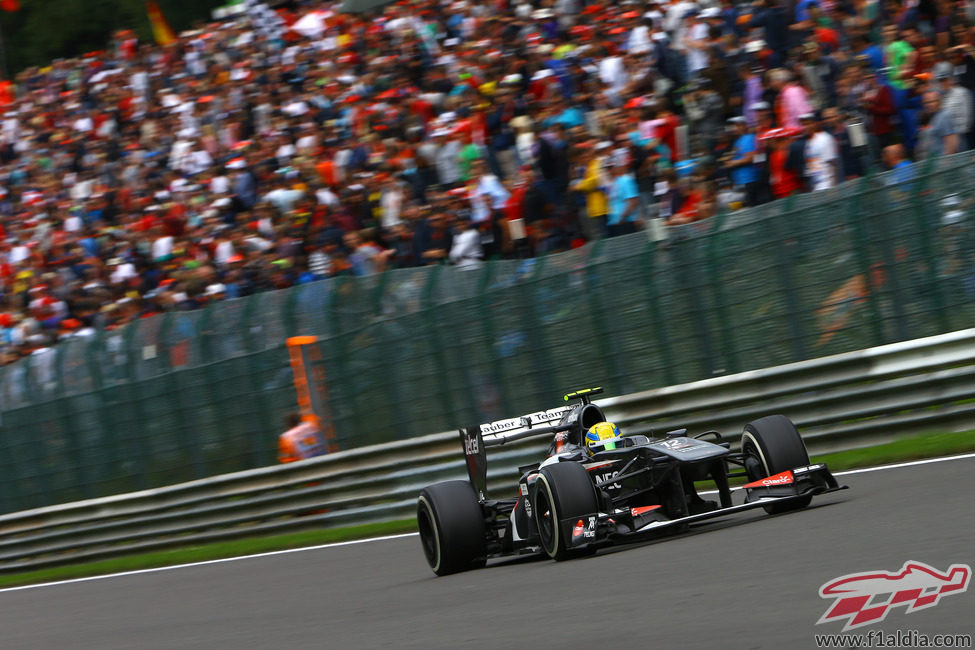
[783,478]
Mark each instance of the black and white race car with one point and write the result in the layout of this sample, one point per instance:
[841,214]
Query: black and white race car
[622,488]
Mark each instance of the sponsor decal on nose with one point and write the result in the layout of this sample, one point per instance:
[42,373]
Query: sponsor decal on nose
[783,478]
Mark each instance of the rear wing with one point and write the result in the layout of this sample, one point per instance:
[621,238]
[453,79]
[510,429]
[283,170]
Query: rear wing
[477,438]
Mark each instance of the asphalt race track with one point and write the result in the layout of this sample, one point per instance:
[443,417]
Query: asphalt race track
[749,581]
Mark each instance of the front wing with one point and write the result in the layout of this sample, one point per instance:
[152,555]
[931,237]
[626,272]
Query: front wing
[791,485]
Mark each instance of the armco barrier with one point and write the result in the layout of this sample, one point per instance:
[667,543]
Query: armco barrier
[840,402]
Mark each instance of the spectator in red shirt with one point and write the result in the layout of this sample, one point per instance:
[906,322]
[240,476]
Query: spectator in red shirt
[784,180]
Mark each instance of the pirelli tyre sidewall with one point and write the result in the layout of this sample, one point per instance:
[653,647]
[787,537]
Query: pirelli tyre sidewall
[775,443]
[562,491]
[451,526]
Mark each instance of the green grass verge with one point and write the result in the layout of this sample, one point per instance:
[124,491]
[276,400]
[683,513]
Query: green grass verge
[913,448]
[215,551]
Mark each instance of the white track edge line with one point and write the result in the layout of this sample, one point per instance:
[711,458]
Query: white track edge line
[910,463]
[864,470]
[206,562]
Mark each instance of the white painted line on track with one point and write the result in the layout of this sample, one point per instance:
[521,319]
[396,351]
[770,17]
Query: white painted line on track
[911,463]
[864,470]
[205,562]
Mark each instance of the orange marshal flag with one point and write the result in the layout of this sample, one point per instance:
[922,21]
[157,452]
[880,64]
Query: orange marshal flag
[161,30]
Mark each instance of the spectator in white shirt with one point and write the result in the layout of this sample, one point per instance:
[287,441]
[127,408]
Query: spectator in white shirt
[466,248]
[162,246]
[325,196]
[488,195]
[84,123]
[821,154]
[613,73]
[391,202]
[448,156]
[639,39]
[696,43]
[220,185]
[282,197]
[957,102]
[121,271]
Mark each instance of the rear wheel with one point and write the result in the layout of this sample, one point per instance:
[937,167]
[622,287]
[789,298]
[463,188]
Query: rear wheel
[771,445]
[562,491]
[452,529]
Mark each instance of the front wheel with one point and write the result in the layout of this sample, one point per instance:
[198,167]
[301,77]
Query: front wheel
[452,529]
[771,445]
[562,491]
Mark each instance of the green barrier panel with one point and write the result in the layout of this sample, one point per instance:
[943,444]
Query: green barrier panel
[601,326]
[495,384]
[443,377]
[658,320]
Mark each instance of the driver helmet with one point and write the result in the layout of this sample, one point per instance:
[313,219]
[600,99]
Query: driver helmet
[599,432]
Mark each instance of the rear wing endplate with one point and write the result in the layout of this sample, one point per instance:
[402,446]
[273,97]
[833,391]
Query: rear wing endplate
[475,439]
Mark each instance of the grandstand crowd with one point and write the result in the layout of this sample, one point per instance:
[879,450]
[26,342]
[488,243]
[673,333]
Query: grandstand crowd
[282,146]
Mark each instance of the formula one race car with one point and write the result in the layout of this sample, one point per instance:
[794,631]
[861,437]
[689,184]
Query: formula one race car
[594,490]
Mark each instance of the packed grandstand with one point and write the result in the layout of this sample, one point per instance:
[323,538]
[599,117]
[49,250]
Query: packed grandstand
[280,146]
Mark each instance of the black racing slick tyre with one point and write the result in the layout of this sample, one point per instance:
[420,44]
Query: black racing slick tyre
[562,491]
[452,529]
[771,445]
